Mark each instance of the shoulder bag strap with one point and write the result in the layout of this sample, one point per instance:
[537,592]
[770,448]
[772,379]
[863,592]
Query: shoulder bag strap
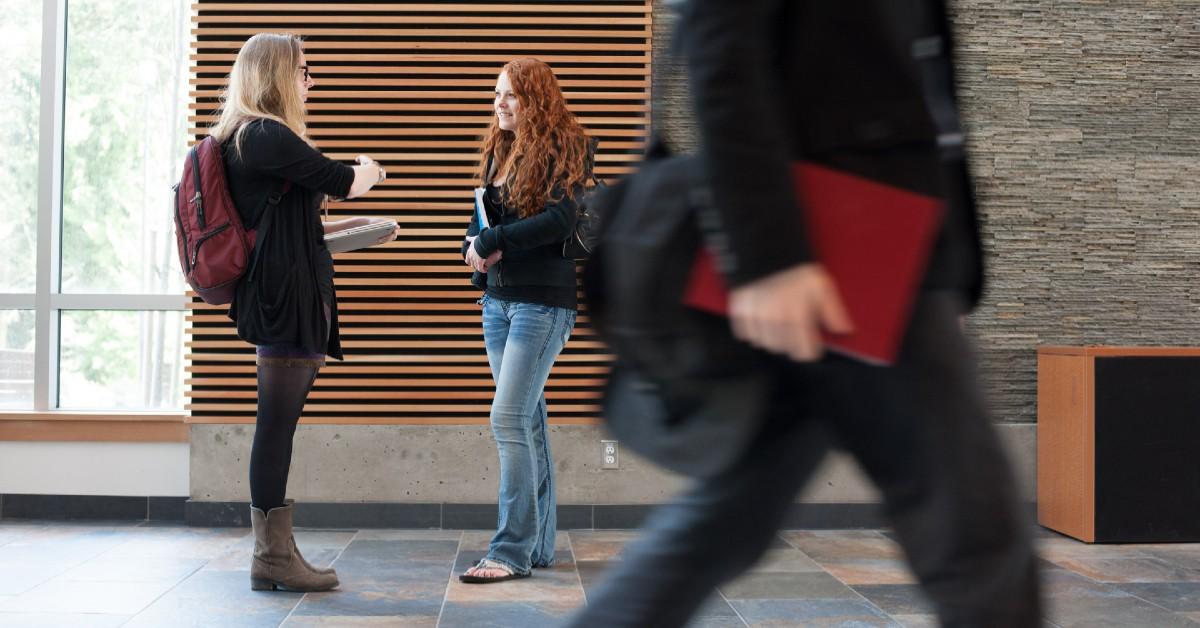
[261,229]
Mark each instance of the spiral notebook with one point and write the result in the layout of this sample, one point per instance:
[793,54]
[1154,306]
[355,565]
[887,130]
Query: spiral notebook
[875,240]
[360,237]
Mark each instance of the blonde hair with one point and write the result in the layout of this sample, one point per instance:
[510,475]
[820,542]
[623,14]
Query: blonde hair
[262,84]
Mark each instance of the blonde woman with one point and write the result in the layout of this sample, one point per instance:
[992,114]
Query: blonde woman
[285,305]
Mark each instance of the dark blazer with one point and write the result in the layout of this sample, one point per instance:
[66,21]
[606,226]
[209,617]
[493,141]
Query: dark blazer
[865,86]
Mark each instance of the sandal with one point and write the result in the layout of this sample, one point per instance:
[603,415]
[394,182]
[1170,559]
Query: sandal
[489,564]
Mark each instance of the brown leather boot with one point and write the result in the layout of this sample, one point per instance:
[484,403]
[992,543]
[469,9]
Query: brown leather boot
[312,567]
[277,563]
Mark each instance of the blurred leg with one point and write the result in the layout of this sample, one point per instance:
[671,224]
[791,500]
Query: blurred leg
[922,434]
[713,532]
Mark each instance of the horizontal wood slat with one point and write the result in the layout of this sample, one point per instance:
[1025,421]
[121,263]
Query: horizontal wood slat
[411,382]
[457,33]
[308,418]
[360,369]
[440,7]
[410,83]
[499,59]
[408,20]
[464,75]
[313,46]
[348,95]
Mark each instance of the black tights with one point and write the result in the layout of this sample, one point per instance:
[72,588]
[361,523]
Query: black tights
[282,390]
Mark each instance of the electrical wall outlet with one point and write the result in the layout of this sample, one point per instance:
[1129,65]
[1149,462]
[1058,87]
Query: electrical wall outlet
[610,456]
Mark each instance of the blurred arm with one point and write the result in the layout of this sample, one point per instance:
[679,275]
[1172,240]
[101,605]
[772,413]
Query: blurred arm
[743,135]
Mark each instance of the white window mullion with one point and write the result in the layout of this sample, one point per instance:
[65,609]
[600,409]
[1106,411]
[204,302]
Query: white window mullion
[49,209]
[118,302]
[17,301]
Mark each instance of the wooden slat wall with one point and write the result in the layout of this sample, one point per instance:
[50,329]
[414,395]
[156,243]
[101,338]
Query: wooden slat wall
[410,83]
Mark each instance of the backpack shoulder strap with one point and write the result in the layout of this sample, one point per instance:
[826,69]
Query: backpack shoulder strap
[490,170]
[590,168]
[261,229]
[277,196]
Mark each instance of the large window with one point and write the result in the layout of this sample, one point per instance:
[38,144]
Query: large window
[16,358]
[20,65]
[91,299]
[121,359]
[125,134]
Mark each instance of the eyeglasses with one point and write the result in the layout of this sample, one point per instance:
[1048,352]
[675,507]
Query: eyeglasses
[307,76]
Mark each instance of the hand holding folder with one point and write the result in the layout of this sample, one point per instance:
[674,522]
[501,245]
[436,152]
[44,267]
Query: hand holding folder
[786,311]
[874,240]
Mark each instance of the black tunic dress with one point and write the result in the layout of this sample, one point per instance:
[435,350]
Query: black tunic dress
[284,299]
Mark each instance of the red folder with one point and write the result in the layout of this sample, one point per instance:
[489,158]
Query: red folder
[874,240]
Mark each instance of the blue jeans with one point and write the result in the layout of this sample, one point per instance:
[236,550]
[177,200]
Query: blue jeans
[522,341]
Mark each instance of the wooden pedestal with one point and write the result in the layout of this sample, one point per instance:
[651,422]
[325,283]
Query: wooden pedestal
[1119,443]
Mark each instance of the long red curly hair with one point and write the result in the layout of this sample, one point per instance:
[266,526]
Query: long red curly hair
[548,153]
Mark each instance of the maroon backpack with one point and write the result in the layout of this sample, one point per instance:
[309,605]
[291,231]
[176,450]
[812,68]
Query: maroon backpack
[215,248]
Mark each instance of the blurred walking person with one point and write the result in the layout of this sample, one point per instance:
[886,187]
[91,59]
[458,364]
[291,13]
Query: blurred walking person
[865,88]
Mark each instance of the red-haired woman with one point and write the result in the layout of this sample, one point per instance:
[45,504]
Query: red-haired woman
[533,165]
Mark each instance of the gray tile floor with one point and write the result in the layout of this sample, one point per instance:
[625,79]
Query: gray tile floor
[56,574]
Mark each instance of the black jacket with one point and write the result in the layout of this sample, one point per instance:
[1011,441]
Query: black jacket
[532,246]
[280,300]
[863,86]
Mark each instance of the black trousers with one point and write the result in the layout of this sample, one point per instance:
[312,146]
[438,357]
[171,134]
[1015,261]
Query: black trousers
[920,432]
